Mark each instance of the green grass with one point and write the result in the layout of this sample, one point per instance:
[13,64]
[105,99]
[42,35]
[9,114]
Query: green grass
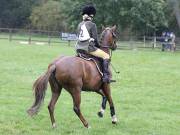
[146,95]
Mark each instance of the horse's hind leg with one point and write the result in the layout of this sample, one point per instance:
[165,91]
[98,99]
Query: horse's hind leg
[103,104]
[107,92]
[56,91]
[76,95]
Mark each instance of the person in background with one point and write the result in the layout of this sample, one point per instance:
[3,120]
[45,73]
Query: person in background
[168,41]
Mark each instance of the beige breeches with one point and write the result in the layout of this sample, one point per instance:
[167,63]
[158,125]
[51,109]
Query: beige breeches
[100,53]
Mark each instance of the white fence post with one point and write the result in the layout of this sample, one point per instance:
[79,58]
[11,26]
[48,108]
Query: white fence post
[144,41]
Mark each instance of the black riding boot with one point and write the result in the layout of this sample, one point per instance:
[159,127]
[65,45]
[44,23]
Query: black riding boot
[106,74]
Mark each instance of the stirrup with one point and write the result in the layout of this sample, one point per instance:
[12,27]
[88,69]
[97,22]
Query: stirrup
[111,81]
[108,81]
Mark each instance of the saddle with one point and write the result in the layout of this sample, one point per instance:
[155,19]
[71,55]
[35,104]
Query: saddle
[97,61]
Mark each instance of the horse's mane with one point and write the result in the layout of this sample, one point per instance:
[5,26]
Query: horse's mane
[103,35]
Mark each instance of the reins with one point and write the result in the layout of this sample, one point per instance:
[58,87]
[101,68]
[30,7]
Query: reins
[111,51]
[107,46]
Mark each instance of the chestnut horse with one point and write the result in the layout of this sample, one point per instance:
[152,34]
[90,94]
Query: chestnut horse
[75,74]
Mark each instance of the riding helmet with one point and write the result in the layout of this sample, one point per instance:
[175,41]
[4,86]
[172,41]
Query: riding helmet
[89,10]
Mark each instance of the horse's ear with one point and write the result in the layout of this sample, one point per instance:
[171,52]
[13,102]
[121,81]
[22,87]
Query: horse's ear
[114,28]
[103,27]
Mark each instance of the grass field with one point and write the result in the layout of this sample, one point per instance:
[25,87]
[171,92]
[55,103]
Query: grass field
[146,95]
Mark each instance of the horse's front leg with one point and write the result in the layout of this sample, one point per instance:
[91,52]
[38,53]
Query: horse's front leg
[107,92]
[103,104]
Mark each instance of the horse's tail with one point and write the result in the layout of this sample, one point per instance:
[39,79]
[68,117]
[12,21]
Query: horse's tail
[39,87]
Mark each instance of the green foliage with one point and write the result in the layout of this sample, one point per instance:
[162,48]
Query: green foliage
[71,11]
[15,13]
[48,16]
[148,15]
[173,8]
[140,16]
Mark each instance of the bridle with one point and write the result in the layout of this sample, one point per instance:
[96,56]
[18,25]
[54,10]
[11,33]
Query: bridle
[113,45]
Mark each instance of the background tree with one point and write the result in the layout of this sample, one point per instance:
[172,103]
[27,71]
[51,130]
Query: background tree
[135,16]
[174,15]
[48,16]
[15,13]
[147,16]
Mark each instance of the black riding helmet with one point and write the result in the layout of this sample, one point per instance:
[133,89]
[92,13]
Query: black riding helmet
[89,10]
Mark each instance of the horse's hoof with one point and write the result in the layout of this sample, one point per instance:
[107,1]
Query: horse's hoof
[31,112]
[89,127]
[113,122]
[114,119]
[100,114]
[54,125]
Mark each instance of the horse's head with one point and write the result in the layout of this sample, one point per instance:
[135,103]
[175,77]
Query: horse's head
[108,38]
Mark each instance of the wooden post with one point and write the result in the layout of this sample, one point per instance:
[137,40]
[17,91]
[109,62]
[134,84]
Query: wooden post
[29,40]
[154,41]
[10,35]
[144,41]
[132,45]
[69,42]
[49,40]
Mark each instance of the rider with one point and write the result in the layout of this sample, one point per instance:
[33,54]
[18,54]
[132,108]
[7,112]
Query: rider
[88,39]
